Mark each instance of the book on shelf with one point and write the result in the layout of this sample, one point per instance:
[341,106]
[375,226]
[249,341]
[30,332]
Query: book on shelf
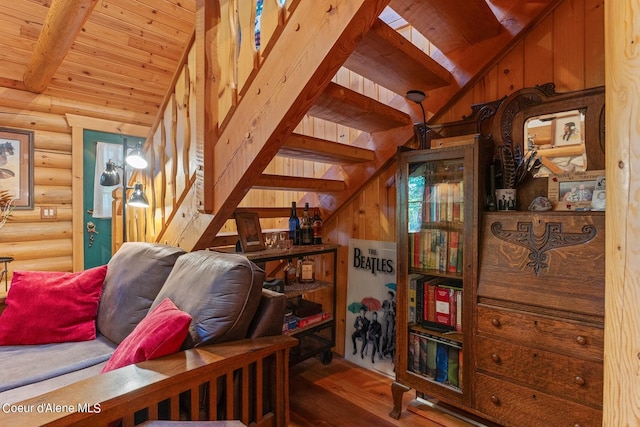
[443,299]
[436,249]
[452,265]
[413,278]
[458,297]
[435,358]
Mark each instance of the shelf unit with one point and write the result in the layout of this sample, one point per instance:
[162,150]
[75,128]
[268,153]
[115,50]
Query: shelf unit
[318,338]
[439,193]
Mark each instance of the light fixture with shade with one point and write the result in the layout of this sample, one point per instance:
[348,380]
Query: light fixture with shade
[136,158]
[418,96]
[110,177]
[138,198]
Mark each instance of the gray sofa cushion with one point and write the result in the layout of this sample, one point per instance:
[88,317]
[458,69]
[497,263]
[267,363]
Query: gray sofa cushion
[220,291]
[28,364]
[135,275]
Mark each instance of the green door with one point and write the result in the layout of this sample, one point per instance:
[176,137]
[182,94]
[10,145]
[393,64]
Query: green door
[97,245]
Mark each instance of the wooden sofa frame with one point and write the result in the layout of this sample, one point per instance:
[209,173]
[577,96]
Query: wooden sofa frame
[256,372]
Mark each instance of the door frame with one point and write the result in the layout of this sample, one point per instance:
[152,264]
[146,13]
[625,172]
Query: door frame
[78,125]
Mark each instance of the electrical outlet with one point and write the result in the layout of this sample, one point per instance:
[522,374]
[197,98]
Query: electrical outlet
[48,212]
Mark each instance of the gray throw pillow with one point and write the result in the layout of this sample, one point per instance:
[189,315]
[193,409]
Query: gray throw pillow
[134,277]
[220,291]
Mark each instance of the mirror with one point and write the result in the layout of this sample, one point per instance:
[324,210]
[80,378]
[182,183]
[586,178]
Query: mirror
[536,117]
[557,141]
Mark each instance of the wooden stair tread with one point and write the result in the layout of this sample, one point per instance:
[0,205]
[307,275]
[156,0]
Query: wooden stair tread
[386,57]
[344,106]
[320,150]
[450,25]
[296,183]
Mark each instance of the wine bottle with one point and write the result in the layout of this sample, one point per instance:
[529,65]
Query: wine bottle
[294,225]
[306,228]
[317,227]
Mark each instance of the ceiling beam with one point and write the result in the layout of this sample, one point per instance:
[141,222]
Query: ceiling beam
[63,23]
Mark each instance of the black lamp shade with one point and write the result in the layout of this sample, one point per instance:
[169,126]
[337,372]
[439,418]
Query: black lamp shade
[138,198]
[110,175]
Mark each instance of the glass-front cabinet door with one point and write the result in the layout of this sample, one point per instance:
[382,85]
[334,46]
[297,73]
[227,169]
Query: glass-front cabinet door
[437,196]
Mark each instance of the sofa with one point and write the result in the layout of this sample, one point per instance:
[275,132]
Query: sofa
[156,333]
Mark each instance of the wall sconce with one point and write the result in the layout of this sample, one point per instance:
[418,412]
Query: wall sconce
[418,96]
[135,158]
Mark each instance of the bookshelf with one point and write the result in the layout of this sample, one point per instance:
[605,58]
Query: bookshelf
[438,193]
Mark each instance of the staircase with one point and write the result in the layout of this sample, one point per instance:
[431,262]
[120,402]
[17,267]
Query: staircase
[457,44]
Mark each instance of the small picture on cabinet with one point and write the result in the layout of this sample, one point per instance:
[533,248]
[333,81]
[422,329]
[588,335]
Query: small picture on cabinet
[249,231]
[574,192]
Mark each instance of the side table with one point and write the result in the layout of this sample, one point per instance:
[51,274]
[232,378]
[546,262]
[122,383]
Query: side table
[5,273]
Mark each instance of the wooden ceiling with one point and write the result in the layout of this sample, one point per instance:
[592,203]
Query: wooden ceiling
[122,60]
[120,63]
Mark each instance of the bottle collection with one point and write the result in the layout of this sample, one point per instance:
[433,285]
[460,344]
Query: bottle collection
[306,230]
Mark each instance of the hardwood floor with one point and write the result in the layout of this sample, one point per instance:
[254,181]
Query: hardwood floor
[344,394]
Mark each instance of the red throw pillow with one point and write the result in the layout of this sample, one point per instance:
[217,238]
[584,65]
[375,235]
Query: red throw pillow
[160,333]
[50,306]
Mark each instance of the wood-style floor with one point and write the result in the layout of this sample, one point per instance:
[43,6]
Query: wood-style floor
[344,394]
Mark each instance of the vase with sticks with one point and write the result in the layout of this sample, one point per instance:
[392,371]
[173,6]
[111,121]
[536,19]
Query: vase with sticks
[6,206]
[514,169]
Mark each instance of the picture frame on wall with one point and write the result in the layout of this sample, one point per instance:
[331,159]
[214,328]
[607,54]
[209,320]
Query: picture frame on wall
[249,231]
[16,166]
[568,130]
[574,192]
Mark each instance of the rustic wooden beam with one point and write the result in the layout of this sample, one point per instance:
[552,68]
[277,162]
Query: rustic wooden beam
[389,59]
[448,25]
[344,106]
[61,26]
[296,183]
[320,150]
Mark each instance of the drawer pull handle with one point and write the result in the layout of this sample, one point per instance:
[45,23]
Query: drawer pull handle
[495,357]
[580,381]
[494,399]
[495,322]
[581,340]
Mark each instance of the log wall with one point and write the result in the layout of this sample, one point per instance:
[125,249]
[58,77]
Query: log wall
[36,244]
[567,48]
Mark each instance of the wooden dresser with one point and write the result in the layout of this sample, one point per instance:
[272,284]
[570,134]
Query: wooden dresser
[540,318]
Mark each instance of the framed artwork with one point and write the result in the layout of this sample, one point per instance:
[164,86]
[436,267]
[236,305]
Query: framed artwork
[574,192]
[249,231]
[16,166]
[370,335]
[568,130]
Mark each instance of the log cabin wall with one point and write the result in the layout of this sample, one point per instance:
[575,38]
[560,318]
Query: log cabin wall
[36,244]
[566,48]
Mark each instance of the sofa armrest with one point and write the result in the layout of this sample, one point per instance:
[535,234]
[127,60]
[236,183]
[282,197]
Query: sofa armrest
[188,378]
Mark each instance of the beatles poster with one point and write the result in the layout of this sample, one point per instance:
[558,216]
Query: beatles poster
[371,305]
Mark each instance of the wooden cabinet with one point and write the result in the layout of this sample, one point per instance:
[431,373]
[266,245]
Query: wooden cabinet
[438,211]
[540,319]
[317,337]
[533,319]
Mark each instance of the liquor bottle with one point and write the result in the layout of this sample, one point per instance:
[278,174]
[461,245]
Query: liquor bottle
[317,227]
[306,228]
[290,274]
[294,225]
[307,271]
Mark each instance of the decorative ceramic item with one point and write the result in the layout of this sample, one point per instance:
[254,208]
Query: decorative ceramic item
[540,204]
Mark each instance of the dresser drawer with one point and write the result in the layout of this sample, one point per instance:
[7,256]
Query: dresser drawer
[563,376]
[518,406]
[542,332]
